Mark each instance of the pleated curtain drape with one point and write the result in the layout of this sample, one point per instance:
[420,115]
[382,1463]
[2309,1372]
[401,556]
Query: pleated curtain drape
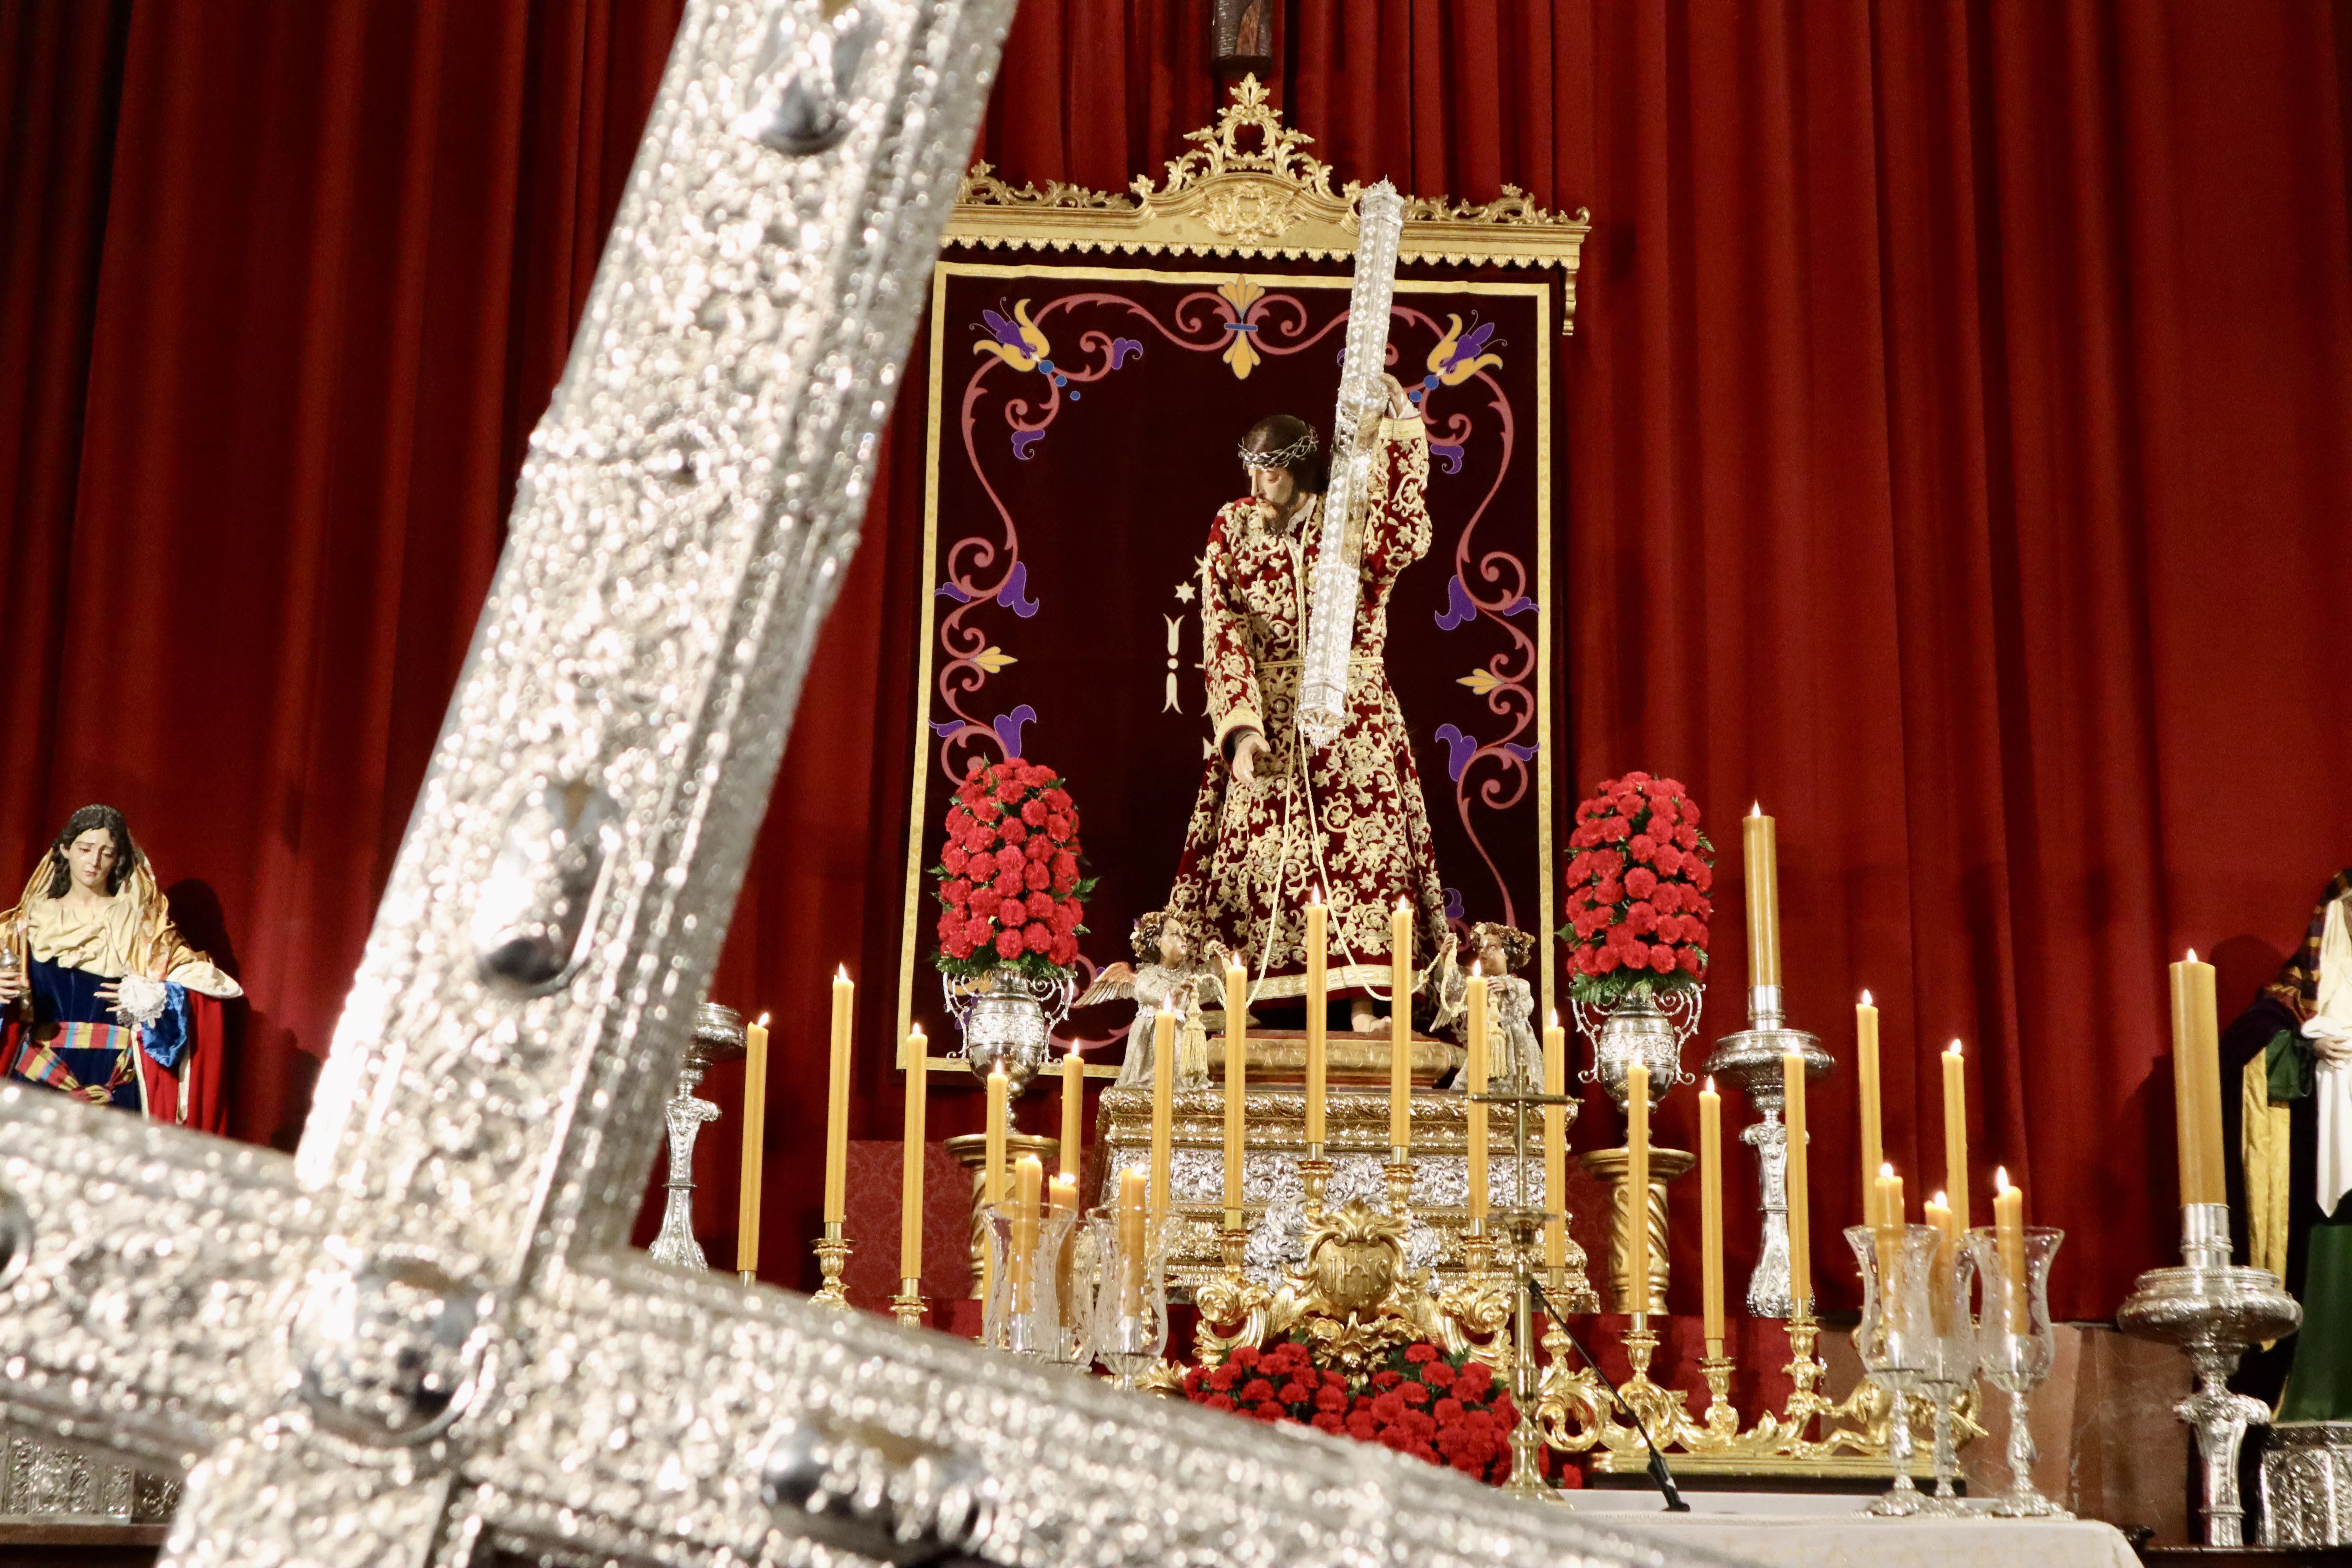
[1955,438]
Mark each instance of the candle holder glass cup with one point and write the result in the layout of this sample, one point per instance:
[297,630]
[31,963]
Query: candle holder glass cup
[2014,1348]
[1896,1337]
[1022,1313]
[1131,1298]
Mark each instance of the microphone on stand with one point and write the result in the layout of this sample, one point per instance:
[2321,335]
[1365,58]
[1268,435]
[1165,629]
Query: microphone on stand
[1658,1471]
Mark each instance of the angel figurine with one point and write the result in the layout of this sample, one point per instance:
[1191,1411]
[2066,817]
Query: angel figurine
[1178,972]
[1497,951]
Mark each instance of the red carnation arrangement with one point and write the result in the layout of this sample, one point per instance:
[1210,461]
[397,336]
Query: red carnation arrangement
[1420,1402]
[1009,889]
[1637,885]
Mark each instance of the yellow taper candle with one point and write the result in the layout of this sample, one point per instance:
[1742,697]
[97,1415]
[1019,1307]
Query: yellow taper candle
[1029,1188]
[1400,1030]
[1637,1192]
[1317,1004]
[991,1169]
[911,1180]
[1074,1111]
[755,1148]
[1865,1057]
[1937,1211]
[2008,1241]
[1760,853]
[1237,1087]
[836,1104]
[1710,1216]
[1956,1134]
[1554,1083]
[1888,1225]
[1801,1240]
[1473,1078]
[1132,1233]
[1163,1104]
[2197,1081]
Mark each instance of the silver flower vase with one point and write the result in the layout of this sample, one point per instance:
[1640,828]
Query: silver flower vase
[1008,1020]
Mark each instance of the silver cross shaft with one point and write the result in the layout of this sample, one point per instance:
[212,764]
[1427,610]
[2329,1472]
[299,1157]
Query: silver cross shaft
[419,1337]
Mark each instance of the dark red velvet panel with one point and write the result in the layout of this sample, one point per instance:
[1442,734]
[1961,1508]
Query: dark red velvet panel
[1955,436]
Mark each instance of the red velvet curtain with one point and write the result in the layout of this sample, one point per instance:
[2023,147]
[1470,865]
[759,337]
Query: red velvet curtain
[1955,436]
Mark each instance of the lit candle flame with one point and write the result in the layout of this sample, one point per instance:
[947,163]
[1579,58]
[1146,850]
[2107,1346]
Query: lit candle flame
[1552,1020]
[763,1020]
[841,971]
[2192,955]
[2001,1178]
[1866,999]
[1953,1049]
[1886,1170]
[1939,1200]
[1757,809]
[1316,897]
[1404,904]
[1709,1086]
[917,1031]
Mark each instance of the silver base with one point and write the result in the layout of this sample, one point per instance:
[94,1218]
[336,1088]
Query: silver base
[717,1038]
[2306,1484]
[1752,1059]
[48,1483]
[2213,1310]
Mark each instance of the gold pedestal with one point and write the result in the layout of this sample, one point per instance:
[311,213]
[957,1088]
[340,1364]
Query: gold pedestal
[1612,1167]
[832,1253]
[907,1306]
[971,1152]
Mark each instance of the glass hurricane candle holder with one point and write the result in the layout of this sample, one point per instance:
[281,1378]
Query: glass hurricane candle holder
[1896,1337]
[2014,1348]
[1022,1313]
[1131,1316]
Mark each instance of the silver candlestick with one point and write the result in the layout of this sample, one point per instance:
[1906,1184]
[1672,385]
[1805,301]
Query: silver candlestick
[2213,1310]
[717,1038]
[1751,1059]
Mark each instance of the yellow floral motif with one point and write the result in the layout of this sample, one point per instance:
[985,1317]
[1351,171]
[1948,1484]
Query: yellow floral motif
[1480,682]
[994,659]
[1018,342]
[1241,353]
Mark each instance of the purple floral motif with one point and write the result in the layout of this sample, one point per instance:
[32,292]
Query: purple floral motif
[1458,609]
[1014,594]
[1459,749]
[950,591]
[1008,728]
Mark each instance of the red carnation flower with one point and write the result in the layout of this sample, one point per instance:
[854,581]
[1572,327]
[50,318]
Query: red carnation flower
[1360,1424]
[1033,812]
[1039,850]
[1056,799]
[1010,859]
[1061,824]
[1012,831]
[1702,876]
[1011,912]
[1290,1393]
[1695,932]
[1267,1411]
[1688,811]
[1037,880]
[1326,1421]
[1686,837]
[1474,1380]
[1038,939]
[1219,1402]
[1420,1353]
[1063,918]
[1010,789]
[1606,960]
[1330,1399]
[953,858]
[1642,846]
[1641,918]
[1064,951]
[1438,1374]
[1608,889]
[1662,959]
[1688,961]
[1415,1393]
[957,892]
[1257,1388]
[1008,944]
[1008,885]
[1037,906]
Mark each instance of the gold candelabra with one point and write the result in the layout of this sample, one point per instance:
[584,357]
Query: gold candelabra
[832,1253]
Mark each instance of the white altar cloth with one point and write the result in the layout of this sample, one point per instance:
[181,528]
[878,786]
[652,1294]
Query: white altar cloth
[1819,1540]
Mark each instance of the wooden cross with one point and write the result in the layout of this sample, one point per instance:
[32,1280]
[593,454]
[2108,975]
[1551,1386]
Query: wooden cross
[423,1336]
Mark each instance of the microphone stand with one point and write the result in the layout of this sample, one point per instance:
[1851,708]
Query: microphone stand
[1664,1477]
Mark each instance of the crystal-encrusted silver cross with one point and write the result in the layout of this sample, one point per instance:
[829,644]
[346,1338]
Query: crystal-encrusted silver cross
[422,1337]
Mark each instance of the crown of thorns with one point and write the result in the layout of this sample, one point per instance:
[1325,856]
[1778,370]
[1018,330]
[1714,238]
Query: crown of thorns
[1281,456]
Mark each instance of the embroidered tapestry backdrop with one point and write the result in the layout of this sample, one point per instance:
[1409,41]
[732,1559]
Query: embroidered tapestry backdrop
[1082,437]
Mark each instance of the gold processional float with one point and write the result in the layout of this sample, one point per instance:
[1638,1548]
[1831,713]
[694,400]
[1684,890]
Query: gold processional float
[1351,1221]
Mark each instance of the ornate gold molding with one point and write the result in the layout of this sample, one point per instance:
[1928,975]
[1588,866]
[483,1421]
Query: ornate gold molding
[1248,187]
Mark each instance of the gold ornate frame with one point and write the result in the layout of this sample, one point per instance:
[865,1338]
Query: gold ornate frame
[1225,198]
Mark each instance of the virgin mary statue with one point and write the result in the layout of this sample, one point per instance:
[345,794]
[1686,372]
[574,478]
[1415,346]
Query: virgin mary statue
[100,997]
[1278,819]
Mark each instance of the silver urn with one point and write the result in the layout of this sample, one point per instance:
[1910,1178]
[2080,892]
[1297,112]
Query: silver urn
[1008,1020]
[1638,1029]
